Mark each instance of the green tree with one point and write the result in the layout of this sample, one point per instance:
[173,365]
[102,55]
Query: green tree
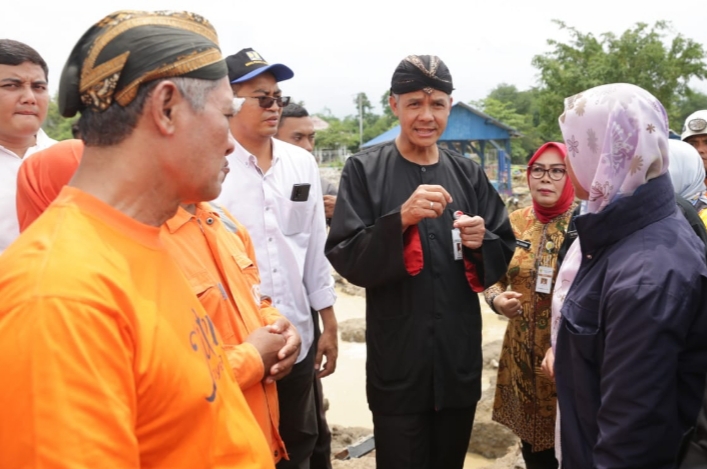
[522,102]
[692,101]
[56,126]
[338,133]
[650,57]
[346,131]
[387,111]
[365,105]
[504,112]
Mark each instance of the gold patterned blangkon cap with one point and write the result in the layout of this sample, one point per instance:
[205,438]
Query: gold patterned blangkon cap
[421,72]
[129,48]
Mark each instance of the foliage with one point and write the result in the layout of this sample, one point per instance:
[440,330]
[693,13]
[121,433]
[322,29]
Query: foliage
[366,107]
[387,111]
[56,126]
[505,113]
[346,131]
[517,109]
[522,102]
[644,56]
[338,133]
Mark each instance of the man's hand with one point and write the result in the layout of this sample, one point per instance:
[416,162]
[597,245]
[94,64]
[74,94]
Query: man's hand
[428,201]
[508,304]
[548,364]
[472,230]
[268,344]
[287,355]
[329,204]
[328,344]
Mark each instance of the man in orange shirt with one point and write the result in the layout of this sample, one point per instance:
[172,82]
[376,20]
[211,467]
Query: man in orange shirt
[216,256]
[114,361]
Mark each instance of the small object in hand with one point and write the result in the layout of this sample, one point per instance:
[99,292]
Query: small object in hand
[457,239]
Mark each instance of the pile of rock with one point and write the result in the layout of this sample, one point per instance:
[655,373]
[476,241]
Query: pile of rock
[346,287]
[330,174]
[341,438]
[489,439]
[353,330]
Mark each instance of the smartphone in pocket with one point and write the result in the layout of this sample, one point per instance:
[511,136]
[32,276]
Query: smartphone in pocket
[300,192]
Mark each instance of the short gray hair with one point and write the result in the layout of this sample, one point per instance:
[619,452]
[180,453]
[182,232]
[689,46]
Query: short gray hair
[115,124]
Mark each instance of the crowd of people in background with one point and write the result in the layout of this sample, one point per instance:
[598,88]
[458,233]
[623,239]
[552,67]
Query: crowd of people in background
[166,289]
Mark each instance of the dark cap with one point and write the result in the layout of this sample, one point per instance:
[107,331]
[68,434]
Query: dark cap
[421,72]
[247,64]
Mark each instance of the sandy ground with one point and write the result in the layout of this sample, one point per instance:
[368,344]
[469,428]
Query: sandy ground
[346,388]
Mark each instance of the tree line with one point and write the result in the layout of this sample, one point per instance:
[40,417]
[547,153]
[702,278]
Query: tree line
[655,58]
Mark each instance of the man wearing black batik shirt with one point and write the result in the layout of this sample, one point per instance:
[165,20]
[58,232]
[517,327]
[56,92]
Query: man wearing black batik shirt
[395,233]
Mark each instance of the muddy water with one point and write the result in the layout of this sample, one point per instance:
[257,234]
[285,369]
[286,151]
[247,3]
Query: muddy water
[346,388]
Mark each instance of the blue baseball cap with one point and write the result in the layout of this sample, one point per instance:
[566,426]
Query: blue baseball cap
[247,64]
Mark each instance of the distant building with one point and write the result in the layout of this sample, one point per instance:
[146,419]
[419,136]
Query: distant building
[475,135]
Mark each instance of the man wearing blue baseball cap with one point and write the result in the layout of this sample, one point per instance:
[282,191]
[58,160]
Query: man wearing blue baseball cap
[276,193]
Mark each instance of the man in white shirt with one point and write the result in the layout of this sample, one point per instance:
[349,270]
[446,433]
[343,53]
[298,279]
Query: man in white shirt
[23,106]
[275,192]
[297,128]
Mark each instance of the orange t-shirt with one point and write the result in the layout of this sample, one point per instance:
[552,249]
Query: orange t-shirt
[40,179]
[217,256]
[112,360]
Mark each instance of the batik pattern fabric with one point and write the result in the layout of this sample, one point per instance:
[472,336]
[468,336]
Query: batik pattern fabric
[130,48]
[525,398]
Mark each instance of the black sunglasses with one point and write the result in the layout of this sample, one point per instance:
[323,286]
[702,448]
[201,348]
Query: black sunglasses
[266,102]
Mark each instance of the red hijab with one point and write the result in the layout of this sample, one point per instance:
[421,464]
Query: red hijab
[546,214]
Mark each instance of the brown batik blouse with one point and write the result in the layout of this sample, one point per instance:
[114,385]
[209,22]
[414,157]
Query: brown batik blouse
[525,398]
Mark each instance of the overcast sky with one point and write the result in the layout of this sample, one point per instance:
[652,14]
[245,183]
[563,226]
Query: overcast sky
[339,48]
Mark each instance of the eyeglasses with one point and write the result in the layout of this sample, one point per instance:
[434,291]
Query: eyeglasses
[697,125]
[266,102]
[538,172]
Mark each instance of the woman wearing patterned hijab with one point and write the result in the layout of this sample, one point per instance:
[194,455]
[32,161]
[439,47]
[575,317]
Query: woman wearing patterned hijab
[631,351]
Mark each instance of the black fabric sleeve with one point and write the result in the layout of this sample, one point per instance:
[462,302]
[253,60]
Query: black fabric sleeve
[499,241]
[365,250]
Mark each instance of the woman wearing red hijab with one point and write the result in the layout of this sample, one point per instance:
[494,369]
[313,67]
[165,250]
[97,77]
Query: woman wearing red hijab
[525,398]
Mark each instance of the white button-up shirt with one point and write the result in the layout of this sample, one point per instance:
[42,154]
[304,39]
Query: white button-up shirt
[288,236]
[9,167]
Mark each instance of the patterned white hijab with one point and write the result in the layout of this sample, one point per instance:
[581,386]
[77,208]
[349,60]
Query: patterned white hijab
[617,140]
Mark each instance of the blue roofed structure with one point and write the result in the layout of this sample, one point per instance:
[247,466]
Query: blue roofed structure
[475,135]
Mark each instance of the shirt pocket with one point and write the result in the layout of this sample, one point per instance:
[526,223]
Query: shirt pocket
[296,216]
[582,321]
[250,276]
[210,293]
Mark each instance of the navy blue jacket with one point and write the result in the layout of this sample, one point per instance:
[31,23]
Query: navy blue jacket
[631,351]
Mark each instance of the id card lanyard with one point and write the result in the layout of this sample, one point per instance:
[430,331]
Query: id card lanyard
[543,263]
[457,239]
